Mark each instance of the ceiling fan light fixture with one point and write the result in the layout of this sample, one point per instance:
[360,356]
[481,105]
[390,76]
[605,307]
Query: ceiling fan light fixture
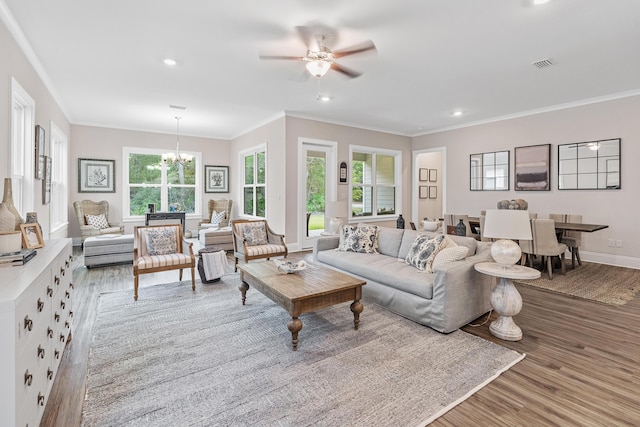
[318,67]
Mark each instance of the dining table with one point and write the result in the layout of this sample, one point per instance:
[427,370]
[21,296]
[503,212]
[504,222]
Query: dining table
[560,226]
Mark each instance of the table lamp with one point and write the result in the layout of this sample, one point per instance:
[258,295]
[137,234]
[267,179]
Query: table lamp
[335,211]
[507,225]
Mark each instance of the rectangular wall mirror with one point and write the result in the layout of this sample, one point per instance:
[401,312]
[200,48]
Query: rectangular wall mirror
[489,171]
[592,165]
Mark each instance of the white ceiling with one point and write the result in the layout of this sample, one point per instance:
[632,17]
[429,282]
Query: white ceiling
[103,60]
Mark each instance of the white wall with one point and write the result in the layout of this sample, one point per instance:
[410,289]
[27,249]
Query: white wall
[604,120]
[430,208]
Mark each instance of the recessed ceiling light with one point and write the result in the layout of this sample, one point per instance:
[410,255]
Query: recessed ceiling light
[539,2]
[323,98]
[457,113]
[170,62]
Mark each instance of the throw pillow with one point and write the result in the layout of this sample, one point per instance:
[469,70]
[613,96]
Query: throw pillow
[363,239]
[255,233]
[424,250]
[216,217]
[449,254]
[97,221]
[161,241]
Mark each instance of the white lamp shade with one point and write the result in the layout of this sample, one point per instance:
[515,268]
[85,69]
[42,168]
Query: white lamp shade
[507,224]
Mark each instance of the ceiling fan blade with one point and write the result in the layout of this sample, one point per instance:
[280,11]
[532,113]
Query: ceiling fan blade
[307,36]
[346,71]
[298,58]
[359,48]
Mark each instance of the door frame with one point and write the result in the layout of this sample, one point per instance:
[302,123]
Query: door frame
[331,182]
[415,178]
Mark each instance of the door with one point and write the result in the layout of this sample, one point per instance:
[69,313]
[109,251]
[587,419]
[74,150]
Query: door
[317,185]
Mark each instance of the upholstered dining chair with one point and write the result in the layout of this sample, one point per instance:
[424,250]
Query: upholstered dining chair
[161,248]
[544,244]
[254,239]
[219,207]
[93,218]
[453,220]
[572,239]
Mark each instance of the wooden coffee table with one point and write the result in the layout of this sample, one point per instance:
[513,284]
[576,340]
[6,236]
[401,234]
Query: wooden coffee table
[302,292]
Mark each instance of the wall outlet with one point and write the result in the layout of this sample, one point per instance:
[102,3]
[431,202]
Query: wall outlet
[612,243]
[618,243]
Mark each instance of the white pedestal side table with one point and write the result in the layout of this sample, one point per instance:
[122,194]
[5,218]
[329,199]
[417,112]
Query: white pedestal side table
[505,298]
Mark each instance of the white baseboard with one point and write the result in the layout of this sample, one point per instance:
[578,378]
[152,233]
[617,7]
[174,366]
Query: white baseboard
[610,259]
[293,247]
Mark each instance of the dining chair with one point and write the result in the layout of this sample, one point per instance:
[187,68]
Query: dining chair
[544,244]
[453,220]
[572,239]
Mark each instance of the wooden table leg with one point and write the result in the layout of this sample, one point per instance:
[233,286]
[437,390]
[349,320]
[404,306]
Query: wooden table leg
[295,325]
[356,308]
[244,287]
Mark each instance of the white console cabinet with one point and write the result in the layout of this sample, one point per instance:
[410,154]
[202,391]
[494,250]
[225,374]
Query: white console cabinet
[35,325]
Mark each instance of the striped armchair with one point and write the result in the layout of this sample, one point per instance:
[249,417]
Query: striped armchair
[255,240]
[161,248]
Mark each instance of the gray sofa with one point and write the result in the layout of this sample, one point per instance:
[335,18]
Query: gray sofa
[450,297]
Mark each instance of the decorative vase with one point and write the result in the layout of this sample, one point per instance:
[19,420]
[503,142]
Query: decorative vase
[461,229]
[400,222]
[7,200]
[7,220]
[32,218]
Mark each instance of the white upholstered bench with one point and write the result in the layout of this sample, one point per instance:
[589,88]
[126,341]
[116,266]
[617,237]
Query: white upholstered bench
[108,249]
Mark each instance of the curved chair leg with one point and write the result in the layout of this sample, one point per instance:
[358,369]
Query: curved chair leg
[181,275]
[135,287]
[550,267]
[235,266]
[193,278]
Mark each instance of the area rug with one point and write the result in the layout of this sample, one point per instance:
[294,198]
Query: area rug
[598,282]
[178,357]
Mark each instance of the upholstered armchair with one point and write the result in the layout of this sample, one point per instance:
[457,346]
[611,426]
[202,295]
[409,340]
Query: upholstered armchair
[93,218]
[161,248]
[218,206]
[255,240]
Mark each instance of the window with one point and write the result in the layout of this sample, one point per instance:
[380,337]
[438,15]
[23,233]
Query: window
[149,180]
[254,185]
[58,205]
[375,182]
[22,148]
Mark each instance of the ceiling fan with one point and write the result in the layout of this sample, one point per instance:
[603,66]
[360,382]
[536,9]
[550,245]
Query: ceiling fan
[319,58]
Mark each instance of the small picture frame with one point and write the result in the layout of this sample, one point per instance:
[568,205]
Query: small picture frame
[423,192]
[39,155]
[433,175]
[46,182]
[216,179]
[343,174]
[423,174]
[433,192]
[31,236]
[96,176]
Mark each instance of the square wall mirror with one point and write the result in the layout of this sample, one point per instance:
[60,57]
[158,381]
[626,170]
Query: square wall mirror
[489,171]
[592,165]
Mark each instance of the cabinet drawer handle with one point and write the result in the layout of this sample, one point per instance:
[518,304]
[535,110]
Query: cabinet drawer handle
[62,338]
[40,399]
[67,295]
[62,305]
[49,291]
[62,271]
[71,314]
[40,352]
[50,332]
[56,280]
[57,354]
[66,263]
[66,324]
[71,285]
[40,305]
[70,257]
[57,317]
[28,323]
[28,378]
[49,374]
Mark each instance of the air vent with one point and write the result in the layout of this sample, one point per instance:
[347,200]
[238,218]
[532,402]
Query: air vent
[177,107]
[543,63]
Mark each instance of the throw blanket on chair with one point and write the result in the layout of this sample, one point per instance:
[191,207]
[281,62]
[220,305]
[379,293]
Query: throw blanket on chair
[215,264]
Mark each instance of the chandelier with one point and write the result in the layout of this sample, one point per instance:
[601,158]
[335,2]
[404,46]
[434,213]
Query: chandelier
[177,157]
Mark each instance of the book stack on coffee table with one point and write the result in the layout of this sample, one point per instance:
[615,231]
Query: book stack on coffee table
[17,258]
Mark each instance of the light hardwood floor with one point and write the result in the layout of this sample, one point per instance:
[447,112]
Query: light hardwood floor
[581,368]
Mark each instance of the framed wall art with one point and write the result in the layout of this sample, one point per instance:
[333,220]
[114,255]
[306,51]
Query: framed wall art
[39,166]
[532,166]
[433,175]
[96,176]
[423,192]
[433,192]
[216,179]
[423,174]
[46,182]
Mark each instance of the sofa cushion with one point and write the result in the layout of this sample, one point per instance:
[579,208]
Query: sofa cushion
[449,254]
[382,269]
[424,250]
[389,240]
[410,235]
[359,239]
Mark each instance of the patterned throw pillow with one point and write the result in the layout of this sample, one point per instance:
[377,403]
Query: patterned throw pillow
[97,221]
[363,239]
[424,250]
[161,241]
[255,233]
[216,217]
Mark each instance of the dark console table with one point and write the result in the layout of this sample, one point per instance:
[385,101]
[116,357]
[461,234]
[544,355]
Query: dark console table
[161,216]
